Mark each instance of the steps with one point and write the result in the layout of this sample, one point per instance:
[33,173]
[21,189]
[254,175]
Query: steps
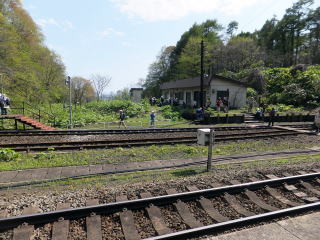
[28,121]
[249,118]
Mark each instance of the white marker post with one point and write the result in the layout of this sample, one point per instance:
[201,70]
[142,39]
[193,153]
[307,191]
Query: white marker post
[210,147]
[206,137]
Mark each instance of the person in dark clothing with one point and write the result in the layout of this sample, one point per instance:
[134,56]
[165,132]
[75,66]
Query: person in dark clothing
[225,102]
[219,104]
[199,114]
[272,114]
[2,104]
[122,117]
[161,101]
[152,118]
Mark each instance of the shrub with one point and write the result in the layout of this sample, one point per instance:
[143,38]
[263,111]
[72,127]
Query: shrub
[7,154]
[170,112]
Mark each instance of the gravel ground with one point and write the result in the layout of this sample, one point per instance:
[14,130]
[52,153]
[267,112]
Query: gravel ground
[16,199]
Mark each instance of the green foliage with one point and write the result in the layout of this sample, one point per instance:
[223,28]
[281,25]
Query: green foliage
[251,93]
[32,72]
[282,108]
[7,155]
[298,88]
[131,109]
[170,112]
[97,111]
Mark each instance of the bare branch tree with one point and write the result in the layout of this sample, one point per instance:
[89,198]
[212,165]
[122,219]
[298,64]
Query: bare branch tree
[100,82]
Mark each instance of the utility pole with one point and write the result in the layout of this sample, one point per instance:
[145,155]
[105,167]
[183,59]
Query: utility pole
[68,81]
[201,76]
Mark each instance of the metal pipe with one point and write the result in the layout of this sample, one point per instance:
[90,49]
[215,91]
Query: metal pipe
[70,103]
[201,76]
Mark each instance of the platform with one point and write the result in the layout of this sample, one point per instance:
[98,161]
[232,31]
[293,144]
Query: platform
[27,121]
[294,129]
[299,228]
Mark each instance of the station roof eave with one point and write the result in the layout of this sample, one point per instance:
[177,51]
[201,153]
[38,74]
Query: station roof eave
[195,82]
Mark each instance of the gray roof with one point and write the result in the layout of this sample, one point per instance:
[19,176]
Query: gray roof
[195,82]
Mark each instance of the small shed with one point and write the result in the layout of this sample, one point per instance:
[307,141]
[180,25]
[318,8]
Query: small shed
[136,94]
[187,91]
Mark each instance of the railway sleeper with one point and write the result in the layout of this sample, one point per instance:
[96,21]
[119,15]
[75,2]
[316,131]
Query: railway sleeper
[207,206]
[155,216]
[93,223]
[127,221]
[255,199]
[277,195]
[295,191]
[184,211]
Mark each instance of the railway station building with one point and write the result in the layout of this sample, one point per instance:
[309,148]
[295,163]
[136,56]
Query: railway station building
[187,91]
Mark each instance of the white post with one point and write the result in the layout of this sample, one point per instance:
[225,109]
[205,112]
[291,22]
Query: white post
[210,146]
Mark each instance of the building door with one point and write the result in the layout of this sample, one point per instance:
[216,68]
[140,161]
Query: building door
[222,94]
[188,98]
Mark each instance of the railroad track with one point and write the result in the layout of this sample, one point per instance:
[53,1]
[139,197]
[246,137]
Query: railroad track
[106,143]
[177,215]
[130,131]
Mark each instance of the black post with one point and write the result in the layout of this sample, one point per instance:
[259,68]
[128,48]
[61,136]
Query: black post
[201,77]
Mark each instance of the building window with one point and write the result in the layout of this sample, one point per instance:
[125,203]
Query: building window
[196,96]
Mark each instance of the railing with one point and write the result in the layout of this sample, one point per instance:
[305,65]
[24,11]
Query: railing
[36,113]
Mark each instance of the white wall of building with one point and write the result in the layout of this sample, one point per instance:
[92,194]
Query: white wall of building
[237,93]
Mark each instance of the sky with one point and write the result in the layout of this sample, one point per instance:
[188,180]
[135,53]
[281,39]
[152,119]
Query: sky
[121,38]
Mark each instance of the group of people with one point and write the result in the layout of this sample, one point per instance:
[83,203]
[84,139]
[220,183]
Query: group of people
[259,115]
[162,101]
[4,104]
[222,103]
[122,117]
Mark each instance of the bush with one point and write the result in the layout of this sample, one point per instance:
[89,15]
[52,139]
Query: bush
[297,86]
[251,93]
[96,111]
[284,108]
[112,107]
[170,112]
[7,154]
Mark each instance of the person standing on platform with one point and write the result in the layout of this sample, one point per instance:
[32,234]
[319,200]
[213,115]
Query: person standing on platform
[6,104]
[219,104]
[272,114]
[2,104]
[225,102]
[317,121]
[122,117]
[152,118]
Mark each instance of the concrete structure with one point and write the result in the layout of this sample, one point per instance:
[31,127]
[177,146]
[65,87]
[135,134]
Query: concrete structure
[298,228]
[187,90]
[136,94]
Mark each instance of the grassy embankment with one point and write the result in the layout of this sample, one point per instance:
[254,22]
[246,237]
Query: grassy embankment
[175,174]
[139,154]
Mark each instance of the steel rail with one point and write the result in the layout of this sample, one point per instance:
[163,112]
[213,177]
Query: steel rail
[138,142]
[110,208]
[116,131]
[130,131]
[273,131]
[214,228]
